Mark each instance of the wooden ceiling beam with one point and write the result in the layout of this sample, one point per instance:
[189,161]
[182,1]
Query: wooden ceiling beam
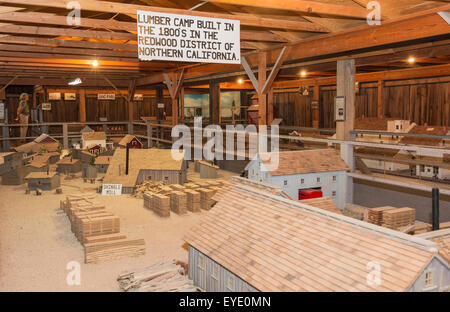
[63,56]
[309,7]
[115,7]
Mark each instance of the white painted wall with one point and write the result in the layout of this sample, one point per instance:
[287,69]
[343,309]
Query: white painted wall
[86,143]
[290,184]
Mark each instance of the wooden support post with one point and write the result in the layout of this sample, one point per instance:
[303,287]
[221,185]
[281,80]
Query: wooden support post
[182,103]
[130,128]
[82,109]
[270,101]
[131,90]
[262,98]
[174,95]
[315,108]
[149,135]
[159,99]
[214,102]
[380,98]
[346,87]
[65,136]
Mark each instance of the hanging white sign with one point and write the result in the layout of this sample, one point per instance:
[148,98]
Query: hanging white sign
[185,38]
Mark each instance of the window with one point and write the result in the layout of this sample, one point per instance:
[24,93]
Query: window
[215,278]
[285,182]
[201,262]
[333,193]
[436,170]
[302,181]
[215,271]
[230,283]
[429,278]
[397,127]
[334,178]
[318,180]
[422,168]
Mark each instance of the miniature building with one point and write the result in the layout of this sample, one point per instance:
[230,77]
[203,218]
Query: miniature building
[375,158]
[41,143]
[102,163]
[15,176]
[382,125]
[131,140]
[322,170]
[69,165]
[145,164]
[89,171]
[269,243]
[47,158]
[90,138]
[43,180]
[37,166]
[94,149]
[12,168]
[207,170]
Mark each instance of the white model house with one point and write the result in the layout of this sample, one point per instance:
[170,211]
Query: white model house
[93,138]
[321,169]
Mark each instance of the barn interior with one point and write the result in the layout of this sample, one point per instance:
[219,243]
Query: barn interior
[79,65]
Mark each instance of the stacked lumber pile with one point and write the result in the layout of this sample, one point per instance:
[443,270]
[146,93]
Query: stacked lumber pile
[113,249]
[178,202]
[160,277]
[161,205]
[193,200]
[375,215]
[397,218]
[149,186]
[206,195]
[148,200]
[99,230]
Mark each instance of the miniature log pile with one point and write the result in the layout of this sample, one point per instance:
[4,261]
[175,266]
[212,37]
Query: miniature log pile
[160,277]
[393,218]
[98,230]
[190,196]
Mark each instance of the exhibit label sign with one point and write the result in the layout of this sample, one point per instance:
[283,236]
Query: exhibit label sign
[46,106]
[106,96]
[54,96]
[112,189]
[185,38]
[70,96]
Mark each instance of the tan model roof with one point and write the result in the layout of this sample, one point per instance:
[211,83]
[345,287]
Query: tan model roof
[37,164]
[442,240]
[103,160]
[93,136]
[33,147]
[322,203]
[276,244]
[372,123]
[140,159]
[40,175]
[44,157]
[67,160]
[127,139]
[306,161]
[431,130]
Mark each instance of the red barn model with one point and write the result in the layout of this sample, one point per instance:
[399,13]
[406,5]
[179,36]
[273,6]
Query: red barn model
[132,141]
[94,149]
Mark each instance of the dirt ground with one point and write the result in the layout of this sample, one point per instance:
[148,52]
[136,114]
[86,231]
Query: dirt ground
[36,242]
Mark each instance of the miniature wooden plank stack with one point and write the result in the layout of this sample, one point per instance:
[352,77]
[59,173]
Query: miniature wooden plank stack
[178,202]
[400,217]
[161,205]
[375,215]
[193,200]
[148,200]
[99,230]
[177,187]
[206,195]
[114,249]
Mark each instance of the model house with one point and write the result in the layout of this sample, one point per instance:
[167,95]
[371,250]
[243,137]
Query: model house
[93,138]
[69,165]
[145,164]
[45,181]
[102,163]
[94,149]
[13,168]
[43,143]
[322,171]
[48,158]
[37,166]
[382,125]
[254,241]
[379,158]
[130,140]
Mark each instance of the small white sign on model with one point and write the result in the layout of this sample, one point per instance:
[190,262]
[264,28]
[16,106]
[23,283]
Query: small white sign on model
[112,189]
[185,38]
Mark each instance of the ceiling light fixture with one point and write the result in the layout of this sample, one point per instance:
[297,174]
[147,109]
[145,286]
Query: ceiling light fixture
[411,60]
[75,82]
[95,63]
[303,73]
[240,81]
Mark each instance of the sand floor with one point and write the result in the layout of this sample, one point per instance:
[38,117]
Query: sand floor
[36,242]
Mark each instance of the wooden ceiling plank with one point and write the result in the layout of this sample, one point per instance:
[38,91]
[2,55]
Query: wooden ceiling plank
[309,7]
[114,7]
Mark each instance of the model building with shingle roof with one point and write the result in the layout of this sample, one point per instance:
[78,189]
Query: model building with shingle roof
[320,169]
[255,241]
[145,164]
[90,138]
